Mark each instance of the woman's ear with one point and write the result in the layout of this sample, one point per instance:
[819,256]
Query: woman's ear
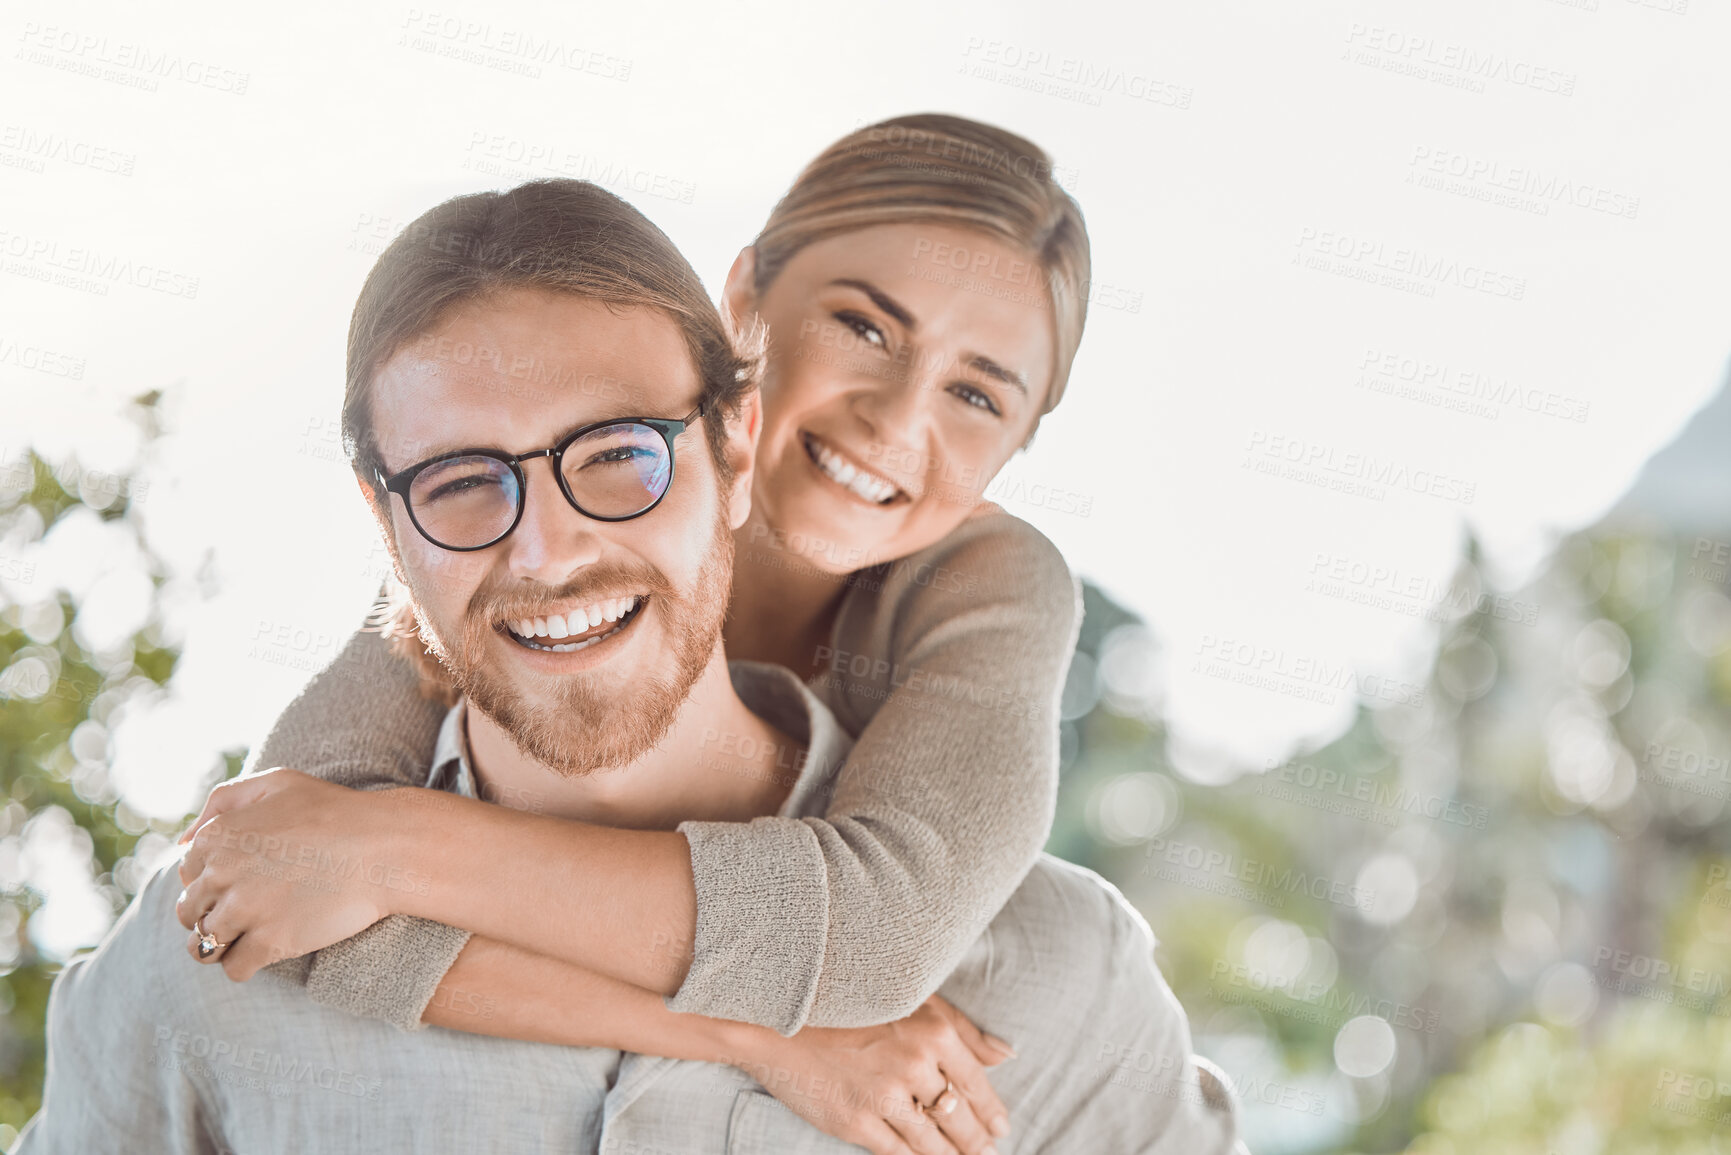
[744,429]
[740,292]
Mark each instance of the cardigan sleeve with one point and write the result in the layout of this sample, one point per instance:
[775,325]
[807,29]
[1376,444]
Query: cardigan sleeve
[949,665]
[364,722]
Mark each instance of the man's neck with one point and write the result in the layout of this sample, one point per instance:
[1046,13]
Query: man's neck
[718,762]
[782,607]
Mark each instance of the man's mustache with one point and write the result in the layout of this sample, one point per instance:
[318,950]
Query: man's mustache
[604,581]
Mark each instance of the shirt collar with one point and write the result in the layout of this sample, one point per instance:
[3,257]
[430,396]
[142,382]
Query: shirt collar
[452,771]
[771,692]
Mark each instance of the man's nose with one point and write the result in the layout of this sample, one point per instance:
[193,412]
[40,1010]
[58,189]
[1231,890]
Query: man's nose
[553,540]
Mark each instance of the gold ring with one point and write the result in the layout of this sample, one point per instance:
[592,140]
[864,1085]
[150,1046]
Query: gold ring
[207,942]
[945,1104]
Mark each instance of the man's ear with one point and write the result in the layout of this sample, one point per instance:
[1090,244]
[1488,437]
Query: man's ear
[744,429]
[381,509]
[739,294]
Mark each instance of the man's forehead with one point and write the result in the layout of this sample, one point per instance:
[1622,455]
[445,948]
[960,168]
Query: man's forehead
[527,365]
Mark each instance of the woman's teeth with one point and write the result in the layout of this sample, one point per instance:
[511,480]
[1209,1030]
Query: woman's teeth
[574,623]
[843,473]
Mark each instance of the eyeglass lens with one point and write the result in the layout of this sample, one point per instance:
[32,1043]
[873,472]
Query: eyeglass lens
[615,471]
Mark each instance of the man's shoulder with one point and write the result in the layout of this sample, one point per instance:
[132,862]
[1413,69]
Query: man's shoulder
[141,975]
[1069,947]
[1061,899]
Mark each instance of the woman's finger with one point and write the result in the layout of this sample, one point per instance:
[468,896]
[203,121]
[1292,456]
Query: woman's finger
[990,1049]
[962,1068]
[226,796]
[199,896]
[212,923]
[881,1139]
[246,956]
[920,1133]
[959,1123]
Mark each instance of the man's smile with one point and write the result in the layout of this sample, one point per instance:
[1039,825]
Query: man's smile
[576,628]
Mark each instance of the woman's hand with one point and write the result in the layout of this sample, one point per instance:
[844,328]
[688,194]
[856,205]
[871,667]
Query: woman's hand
[915,1085]
[283,864]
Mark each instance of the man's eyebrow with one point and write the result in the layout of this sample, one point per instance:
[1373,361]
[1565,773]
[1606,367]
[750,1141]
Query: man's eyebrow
[882,300]
[427,454]
[996,371]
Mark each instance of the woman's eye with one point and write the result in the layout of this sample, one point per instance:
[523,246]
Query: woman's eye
[978,398]
[867,331]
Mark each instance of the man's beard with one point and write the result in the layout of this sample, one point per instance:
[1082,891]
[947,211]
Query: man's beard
[585,728]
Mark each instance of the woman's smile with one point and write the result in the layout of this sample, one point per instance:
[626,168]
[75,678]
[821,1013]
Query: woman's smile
[846,472]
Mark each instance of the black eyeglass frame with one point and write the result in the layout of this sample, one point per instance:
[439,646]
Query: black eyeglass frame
[400,482]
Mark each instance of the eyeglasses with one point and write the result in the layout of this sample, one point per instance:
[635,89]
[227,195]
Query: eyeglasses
[470,499]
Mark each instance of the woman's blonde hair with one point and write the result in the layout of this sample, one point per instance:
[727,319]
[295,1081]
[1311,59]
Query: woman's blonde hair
[948,170]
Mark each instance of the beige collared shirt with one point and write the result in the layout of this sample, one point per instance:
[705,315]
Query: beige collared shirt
[148,1051]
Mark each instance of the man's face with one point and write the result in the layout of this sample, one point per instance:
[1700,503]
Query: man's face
[517,372]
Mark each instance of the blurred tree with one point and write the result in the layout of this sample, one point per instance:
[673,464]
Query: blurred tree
[57,698]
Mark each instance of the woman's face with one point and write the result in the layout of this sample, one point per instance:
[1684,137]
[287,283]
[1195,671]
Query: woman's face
[906,364]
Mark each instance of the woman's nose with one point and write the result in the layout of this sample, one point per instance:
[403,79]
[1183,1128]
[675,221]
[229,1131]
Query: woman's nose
[895,412]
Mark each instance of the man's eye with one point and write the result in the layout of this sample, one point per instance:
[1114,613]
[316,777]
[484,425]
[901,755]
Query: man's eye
[460,485]
[619,453]
[867,331]
[975,397]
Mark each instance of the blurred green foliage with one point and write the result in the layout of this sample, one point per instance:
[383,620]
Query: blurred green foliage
[1543,826]
[56,698]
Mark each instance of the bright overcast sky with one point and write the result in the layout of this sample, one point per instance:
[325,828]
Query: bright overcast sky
[1366,274]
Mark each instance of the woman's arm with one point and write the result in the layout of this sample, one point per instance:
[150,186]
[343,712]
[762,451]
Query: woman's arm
[935,817]
[838,1080]
[848,919]
[368,721]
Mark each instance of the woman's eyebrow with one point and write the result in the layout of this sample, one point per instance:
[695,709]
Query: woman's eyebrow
[996,371]
[882,300]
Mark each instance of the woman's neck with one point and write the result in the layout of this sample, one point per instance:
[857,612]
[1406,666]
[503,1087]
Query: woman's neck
[783,607]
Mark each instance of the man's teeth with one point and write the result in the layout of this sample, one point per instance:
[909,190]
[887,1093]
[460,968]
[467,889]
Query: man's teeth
[577,621]
[859,481]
